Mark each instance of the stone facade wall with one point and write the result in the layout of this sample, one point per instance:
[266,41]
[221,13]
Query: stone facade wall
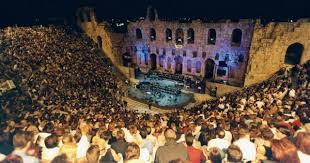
[263,48]
[269,46]
[221,51]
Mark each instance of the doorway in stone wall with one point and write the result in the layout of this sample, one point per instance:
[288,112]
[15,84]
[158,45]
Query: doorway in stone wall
[294,54]
[153,61]
[178,65]
[209,69]
[99,41]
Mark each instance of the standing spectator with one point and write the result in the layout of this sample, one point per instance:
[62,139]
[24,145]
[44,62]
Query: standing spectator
[248,148]
[133,154]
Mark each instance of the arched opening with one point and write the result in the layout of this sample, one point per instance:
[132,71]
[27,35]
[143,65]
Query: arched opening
[99,42]
[209,69]
[126,59]
[88,16]
[178,64]
[169,61]
[293,54]
[138,33]
[153,61]
[190,36]
[179,39]
[81,15]
[168,35]
[198,67]
[212,36]
[189,65]
[236,37]
[152,34]
[161,61]
[152,14]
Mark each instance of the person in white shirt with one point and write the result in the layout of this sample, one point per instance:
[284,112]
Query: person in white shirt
[248,148]
[51,149]
[83,144]
[219,142]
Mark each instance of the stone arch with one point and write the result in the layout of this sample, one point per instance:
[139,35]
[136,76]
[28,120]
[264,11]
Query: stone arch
[81,16]
[189,65]
[153,58]
[179,36]
[169,61]
[126,59]
[212,36]
[236,37]
[152,34]
[138,33]
[162,61]
[88,16]
[209,68]
[190,36]
[168,34]
[99,42]
[178,64]
[198,67]
[294,53]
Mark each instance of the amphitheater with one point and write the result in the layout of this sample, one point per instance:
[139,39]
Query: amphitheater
[221,91]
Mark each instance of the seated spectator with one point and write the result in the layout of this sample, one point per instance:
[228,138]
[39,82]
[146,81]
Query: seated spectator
[284,151]
[219,142]
[120,145]
[92,155]
[51,149]
[234,154]
[247,148]
[171,150]
[69,148]
[195,155]
[133,154]
[303,146]
[21,146]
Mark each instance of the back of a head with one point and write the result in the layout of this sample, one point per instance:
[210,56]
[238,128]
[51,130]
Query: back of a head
[284,151]
[120,135]
[93,153]
[215,155]
[170,134]
[221,134]
[132,151]
[12,158]
[303,142]
[51,141]
[19,140]
[189,139]
[243,133]
[267,134]
[60,159]
[234,154]
[143,133]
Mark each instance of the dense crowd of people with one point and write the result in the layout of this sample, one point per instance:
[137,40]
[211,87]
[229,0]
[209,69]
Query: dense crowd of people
[67,107]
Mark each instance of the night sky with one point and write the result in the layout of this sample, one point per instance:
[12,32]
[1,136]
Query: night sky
[13,11]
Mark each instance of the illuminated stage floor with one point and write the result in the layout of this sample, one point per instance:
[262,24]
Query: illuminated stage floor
[164,93]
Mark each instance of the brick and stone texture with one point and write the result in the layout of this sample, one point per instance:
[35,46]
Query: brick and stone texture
[269,46]
[260,53]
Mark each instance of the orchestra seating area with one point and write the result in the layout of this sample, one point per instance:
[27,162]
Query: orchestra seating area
[67,107]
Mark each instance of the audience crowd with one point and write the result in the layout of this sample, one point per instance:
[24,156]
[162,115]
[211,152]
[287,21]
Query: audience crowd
[67,108]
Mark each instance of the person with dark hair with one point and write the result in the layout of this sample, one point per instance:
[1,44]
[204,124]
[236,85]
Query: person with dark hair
[234,154]
[120,145]
[61,159]
[51,149]
[21,146]
[303,146]
[147,144]
[215,155]
[12,159]
[171,150]
[284,151]
[195,155]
